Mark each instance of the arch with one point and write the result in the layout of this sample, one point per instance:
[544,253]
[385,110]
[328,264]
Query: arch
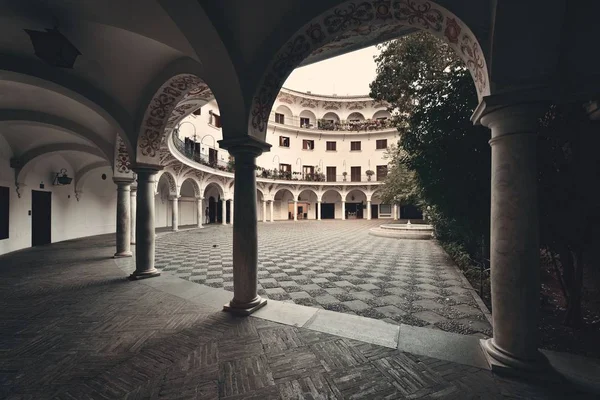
[312,118]
[309,190]
[352,15]
[194,184]
[356,116]
[335,192]
[287,113]
[170,180]
[260,195]
[331,115]
[214,185]
[83,173]
[173,94]
[381,114]
[25,162]
[352,192]
[282,191]
[44,119]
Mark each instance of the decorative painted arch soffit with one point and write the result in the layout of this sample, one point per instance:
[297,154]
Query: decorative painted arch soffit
[350,19]
[173,189]
[174,100]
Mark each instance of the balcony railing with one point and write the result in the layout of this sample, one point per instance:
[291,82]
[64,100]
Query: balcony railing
[186,148]
[328,125]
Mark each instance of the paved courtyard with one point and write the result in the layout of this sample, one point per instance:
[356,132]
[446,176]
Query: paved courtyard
[338,266]
[73,327]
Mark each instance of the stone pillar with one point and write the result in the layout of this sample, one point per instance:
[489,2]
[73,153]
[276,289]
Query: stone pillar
[123,217]
[295,210]
[343,209]
[245,236]
[368,209]
[272,213]
[319,210]
[224,211]
[395,212]
[514,240]
[144,233]
[132,214]
[231,210]
[174,213]
[264,211]
[200,212]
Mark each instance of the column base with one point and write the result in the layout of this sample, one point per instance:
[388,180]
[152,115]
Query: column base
[144,275]
[174,230]
[245,309]
[502,362]
[123,254]
[200,226]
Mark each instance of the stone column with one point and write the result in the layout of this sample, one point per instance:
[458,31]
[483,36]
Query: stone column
[295,210]
[343,209]
[174,213]
[395,212]
[264,211]
[132,215]
[231,210]
[272,213]
[200,212]
[144,233]
[368,209]
[245,236]
[224,211]
[514,241]
[123,217]
[319,210]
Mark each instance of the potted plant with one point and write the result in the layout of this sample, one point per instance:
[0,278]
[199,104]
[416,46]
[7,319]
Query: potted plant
[344,174]
[369,173]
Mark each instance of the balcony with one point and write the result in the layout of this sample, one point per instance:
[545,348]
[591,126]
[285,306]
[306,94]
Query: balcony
[266,173]
[341,126]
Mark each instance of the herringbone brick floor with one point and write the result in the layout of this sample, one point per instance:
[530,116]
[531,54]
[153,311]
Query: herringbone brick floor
[74,328]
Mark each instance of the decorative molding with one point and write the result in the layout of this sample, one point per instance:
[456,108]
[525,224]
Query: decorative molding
[332,105]
[309,103]
[354,15]
[122,162]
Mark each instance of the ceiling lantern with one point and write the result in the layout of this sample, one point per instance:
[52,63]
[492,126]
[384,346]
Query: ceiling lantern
[53,47]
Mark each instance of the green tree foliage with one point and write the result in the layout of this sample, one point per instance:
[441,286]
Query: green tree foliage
[432,96]
[400,185]
[568,167]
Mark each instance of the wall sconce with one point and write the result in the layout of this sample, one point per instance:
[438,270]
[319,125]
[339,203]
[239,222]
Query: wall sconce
[62,178]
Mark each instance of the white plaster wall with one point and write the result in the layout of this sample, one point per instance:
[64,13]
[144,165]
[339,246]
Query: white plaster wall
[187,211]
[94,214]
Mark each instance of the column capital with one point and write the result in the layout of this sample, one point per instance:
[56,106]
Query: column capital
[123,181]
[174,197]
[146,168]
[244,145]
[514,112]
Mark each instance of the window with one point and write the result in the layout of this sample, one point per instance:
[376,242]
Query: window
[216,120]
[381,144]
[308,170]
[304,122]
[308,144]
[285,168]
[330,174]
[331,146]
[355,173]
[284,141]
[354,146]
[385,209]
[4,213]
[382,171]
[279,118]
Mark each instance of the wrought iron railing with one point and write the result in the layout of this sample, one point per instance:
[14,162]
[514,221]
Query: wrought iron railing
[328,125]
[188,149]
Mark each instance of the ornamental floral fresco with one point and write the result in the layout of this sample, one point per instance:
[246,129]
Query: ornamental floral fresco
[361,19]
[164,110]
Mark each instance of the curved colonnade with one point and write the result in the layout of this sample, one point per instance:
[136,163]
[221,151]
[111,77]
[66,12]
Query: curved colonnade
[164,63]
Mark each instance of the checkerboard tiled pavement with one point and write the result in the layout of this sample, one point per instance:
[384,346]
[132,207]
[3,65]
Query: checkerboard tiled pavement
[337,266]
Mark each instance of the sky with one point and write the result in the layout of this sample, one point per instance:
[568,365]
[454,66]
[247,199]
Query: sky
[348,74]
